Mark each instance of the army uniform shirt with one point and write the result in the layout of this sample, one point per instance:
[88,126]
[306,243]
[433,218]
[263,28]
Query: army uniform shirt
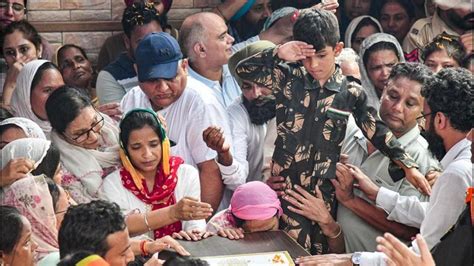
[311,125]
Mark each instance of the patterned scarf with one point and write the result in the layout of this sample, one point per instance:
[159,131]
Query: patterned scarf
[162,194]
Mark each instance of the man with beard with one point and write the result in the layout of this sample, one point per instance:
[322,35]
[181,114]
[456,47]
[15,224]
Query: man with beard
[119,77]
[457,20]
[251,118]
[448,110]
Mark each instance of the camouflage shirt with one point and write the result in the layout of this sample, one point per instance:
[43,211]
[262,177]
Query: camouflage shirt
[311,125]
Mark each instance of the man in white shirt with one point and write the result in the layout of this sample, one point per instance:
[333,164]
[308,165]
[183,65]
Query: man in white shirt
[251,119]
[449,115]
[400,105]
[165,87]
[205,42]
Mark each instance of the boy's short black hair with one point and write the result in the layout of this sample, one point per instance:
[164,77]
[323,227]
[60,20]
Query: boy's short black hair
[451,93]
[319,28]
[86,227]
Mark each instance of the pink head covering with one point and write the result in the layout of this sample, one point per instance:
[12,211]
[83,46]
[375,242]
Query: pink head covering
[30,195]
[255,201]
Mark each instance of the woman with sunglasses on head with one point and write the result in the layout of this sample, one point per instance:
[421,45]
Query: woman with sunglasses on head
[86,139]
[442,52]
[151,180]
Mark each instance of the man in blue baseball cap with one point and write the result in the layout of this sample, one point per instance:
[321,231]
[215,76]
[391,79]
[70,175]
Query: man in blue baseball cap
[165,87]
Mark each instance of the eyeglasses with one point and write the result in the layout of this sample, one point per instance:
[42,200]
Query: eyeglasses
[96,127]
[16,7]
[424,115]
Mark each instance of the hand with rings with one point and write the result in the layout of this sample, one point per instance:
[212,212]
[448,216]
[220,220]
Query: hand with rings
[189,208]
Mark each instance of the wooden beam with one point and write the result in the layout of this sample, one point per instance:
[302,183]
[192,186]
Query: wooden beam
[79,26]
[73,26]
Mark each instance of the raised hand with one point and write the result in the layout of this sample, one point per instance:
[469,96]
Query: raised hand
[191,209]
[295,50]
[327,5]
[14,170]
[399,254]
[214,138]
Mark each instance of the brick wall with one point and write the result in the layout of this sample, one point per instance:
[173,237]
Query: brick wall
[51,17]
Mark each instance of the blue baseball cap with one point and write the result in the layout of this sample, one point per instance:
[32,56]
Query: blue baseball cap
[157,57]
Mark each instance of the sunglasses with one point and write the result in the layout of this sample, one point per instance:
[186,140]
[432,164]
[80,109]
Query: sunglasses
[17,7]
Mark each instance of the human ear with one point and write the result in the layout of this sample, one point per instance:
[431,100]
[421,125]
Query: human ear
[338,48]
[199,49]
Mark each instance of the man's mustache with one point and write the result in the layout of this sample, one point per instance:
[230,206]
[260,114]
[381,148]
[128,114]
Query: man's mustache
[468,16]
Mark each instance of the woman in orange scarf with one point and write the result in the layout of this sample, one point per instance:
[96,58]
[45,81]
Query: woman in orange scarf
[151,181]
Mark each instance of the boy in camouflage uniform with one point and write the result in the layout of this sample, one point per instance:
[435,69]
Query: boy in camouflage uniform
[313,103]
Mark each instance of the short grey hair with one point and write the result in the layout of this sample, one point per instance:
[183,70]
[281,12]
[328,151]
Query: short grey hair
[191,32]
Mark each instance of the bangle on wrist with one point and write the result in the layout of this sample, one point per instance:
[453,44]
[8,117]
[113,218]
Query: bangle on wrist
[143,249]
[338,234]
[146,222]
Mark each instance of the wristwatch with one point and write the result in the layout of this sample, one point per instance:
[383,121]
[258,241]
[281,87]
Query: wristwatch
[356,258]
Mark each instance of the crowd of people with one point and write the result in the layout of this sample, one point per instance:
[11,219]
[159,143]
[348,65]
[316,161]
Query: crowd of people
[347,124]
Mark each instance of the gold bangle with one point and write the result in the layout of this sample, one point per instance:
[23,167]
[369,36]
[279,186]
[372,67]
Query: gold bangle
[146,222]
[338,234]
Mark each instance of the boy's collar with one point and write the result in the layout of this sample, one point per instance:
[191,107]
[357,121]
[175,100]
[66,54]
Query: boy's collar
[333,83]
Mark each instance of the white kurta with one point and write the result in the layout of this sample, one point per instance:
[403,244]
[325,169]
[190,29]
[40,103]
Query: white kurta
[188,185]
[186,118]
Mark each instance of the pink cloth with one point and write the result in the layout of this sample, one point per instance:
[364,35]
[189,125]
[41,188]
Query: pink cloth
[30,195]
[255,201]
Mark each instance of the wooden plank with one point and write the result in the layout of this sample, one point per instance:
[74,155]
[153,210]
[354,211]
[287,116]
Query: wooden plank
[251,243]
[68,26]
[78,26]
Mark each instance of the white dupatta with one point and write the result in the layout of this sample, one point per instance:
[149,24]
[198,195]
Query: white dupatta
[88,165]
[21,98]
